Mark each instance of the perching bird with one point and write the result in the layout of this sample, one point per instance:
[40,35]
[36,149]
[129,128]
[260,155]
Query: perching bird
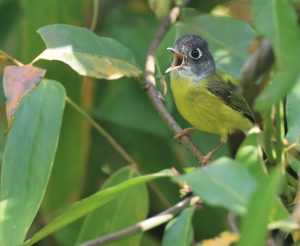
[202,97]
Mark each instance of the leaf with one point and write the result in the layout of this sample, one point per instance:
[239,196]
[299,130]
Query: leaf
[228,38]
[27,160]
[250,155]
[160,7]
[254,230]
[179,231]
[224,182]
[89,204]
[17,82]
[293,114]
[111,217]
[132,109]
[87,53]
[276,19]
[225,239]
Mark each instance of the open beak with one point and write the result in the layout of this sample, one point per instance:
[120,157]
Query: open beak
[177,60]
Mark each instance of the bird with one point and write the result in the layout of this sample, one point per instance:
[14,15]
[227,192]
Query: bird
[206,100]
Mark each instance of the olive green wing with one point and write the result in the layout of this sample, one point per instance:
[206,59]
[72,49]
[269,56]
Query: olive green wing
[224,91]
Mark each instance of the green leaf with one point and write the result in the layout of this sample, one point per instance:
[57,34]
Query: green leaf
[254,224]
[93,202]
[228,38]
[293,114]
[224,182]
[179,231]
[250,155]
[28,157]
[160,7]
[277,20]
[87,53]
[132,109]
[111,217]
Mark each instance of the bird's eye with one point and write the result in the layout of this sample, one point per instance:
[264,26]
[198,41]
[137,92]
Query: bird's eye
[195,53]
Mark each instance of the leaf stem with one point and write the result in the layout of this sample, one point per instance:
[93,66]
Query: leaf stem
[146,224]
[104,133]
[10,58]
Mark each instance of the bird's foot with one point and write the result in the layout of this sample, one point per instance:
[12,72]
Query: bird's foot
[185,132]
[207,158]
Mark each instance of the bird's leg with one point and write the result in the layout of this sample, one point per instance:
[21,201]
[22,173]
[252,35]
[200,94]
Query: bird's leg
[208,157]
[184,132]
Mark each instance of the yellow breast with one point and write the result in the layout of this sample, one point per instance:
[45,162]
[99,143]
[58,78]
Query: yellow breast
[204,110]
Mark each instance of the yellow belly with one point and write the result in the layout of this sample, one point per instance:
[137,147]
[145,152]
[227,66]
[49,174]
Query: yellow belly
[204,110]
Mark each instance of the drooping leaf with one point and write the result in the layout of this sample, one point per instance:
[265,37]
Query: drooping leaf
[224,182]
[91,203]
[87,53]
[293,114]
[179,231]
[254,230]
[28,158]
[17,82]
[228,38]
[277,20]
[250,155]
[128,208]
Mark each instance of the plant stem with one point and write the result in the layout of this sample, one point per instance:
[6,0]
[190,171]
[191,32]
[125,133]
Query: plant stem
[146,224]
[268,128]
[104,133]
[10,58]
[95,14]
[279,116]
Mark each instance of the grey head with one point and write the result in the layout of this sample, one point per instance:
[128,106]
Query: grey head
[191,57]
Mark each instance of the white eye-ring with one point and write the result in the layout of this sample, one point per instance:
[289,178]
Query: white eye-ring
[195,54]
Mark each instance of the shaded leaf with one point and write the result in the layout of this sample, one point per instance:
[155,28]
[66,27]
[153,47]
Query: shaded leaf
[28,158]
[89,204]
[277,20]
[112,216]
[250,155]
[225,239]
[87,53]
[17,82]
[228,38]
[254,230]
[293,114]
[224,182]
[179,231]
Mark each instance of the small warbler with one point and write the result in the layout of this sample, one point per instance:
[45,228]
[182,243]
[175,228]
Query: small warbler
[203,98]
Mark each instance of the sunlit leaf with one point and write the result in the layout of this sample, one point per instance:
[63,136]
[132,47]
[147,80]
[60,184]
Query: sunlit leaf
[89,204]
[179,231]
[224,182]
[28,158]
[112,216]
[17,82]
[87,53]
[228,38]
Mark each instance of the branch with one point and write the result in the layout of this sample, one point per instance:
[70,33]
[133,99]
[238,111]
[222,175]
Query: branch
[146,224]
[10,58]
[154,94]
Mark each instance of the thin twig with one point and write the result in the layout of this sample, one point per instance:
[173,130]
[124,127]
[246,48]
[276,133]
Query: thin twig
[10,58]
[146,224]
[150,83]
[104,133]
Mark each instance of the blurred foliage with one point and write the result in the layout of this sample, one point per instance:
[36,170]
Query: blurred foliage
[84,68]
